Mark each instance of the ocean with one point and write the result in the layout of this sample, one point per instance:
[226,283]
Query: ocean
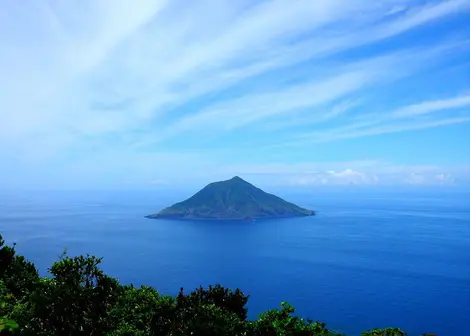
[370,258]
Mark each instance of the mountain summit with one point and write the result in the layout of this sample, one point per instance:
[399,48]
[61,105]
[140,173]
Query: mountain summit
[232,199]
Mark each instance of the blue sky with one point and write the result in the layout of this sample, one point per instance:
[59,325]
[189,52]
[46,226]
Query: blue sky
[150,93]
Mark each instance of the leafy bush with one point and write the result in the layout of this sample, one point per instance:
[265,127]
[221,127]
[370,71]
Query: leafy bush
[384,332]
[8,327]
[223,298]
[79,299]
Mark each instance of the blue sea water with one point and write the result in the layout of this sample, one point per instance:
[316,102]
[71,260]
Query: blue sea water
[369,259]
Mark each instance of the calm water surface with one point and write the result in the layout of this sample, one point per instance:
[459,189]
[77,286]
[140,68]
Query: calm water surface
[369,259]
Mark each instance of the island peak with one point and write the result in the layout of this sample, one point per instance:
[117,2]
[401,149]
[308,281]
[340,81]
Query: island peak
[233,199]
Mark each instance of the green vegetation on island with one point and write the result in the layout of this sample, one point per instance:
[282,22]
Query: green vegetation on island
[80,299]
[234,199]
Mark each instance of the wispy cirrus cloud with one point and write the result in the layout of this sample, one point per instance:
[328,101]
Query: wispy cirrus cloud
[407,118]
[80,78]
[314,97]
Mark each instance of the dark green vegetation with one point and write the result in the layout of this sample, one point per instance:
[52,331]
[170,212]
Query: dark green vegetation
[79,299]
[232,199]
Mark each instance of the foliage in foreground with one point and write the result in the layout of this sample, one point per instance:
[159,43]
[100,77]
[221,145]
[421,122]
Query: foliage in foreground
[79,299]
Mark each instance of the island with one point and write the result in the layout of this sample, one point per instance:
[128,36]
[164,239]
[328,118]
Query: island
[234,199]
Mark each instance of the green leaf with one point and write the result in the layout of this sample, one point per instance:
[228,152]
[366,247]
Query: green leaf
[9,325]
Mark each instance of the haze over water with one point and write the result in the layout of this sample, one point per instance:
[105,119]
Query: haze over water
[369,259]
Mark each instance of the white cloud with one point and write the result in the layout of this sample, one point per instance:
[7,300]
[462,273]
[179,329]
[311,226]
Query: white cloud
[295,118]
[159,53]
[432,106]
[424,14]
[316,94]
[406,118]
[80,78]
[355,173]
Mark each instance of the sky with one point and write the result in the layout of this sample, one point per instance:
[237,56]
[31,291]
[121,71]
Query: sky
[300,93]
